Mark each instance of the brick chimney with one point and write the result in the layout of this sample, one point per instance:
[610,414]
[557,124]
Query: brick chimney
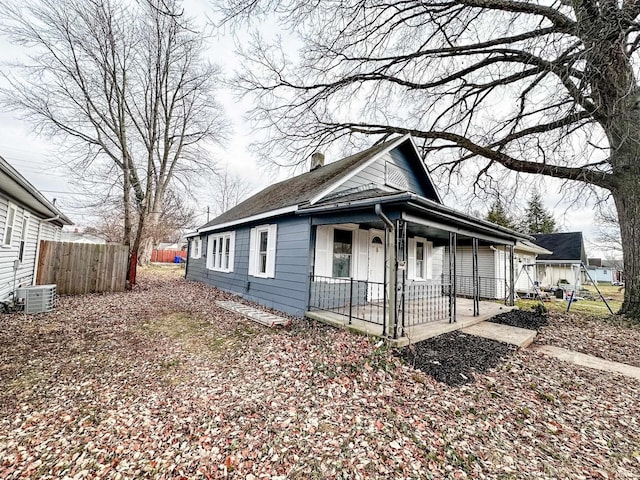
[317,161]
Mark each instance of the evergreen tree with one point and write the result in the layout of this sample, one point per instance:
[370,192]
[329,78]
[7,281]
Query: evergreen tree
[498,214]
[536,218]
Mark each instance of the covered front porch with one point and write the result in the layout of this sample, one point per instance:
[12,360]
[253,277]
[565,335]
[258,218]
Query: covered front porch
[390,269]
[416,330]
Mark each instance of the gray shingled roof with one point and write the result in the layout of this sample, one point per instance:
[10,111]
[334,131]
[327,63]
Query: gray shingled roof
[297,190]
[565,246]
[15,186]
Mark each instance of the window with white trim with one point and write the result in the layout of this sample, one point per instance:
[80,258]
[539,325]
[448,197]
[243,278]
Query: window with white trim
[9,226]
[221,251]
[342,253]
[196,247]
[420,260]
[420,264]
[262,251]
[23,235]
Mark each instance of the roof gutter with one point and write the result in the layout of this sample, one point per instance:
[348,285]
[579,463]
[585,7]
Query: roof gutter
[435,209]
[447,212]
[23,183]
[366,202]
[254,218]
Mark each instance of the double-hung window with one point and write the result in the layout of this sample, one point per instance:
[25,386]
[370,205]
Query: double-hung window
[342,252]
[420,261]
[262,251]
[220,251]
[196,247]
[420,264]
[23,235]
[9,226]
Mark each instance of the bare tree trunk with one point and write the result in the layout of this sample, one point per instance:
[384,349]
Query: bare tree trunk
[150,237]
[146,249]
[627,199]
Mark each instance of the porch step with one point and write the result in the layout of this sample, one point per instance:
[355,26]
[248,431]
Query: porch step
[520,337]
[264,318]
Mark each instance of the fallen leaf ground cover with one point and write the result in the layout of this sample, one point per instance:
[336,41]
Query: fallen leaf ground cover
[612,338]
[161,383]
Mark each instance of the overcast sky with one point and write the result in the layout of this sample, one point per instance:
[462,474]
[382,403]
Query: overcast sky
[34,157]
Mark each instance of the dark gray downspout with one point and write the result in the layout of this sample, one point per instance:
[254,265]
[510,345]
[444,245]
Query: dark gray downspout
[391,249]
[186,261]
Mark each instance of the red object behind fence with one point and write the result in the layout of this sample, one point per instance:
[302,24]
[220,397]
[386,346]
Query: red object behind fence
[167,256]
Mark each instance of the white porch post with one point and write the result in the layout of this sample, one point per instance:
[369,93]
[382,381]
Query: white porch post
[512,292]
[453,247]
[476,278]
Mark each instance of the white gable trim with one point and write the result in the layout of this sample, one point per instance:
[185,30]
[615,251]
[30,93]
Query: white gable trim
[424,168]
[342,180]
[259,216]
[377,156]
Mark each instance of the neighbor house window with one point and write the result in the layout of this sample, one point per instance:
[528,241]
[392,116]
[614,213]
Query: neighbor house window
[220,251]
[342,250]
[9,226]
[196,247]
[420,263]
[262,251]
[23,235]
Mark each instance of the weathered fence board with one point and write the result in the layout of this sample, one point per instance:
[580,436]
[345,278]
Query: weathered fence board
[82,267]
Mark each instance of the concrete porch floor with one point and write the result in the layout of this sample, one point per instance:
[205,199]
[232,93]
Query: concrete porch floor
[413,334]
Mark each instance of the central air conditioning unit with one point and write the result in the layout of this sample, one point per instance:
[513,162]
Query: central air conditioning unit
[38,298]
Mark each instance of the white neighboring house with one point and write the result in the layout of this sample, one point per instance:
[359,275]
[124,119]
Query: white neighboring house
[76,236]
[26,217]
[564,265]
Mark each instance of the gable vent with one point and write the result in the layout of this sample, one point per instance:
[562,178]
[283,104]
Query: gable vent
[396,177]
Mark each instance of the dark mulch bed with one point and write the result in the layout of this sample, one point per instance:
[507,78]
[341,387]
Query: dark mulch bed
[531,320]
[454,357]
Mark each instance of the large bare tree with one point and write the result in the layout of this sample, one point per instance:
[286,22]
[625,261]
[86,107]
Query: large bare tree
[538,87]
[124,86]
[174,218]
[227,189]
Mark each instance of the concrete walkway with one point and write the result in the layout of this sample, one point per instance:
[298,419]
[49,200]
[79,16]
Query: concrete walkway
[589,361]
[520,337]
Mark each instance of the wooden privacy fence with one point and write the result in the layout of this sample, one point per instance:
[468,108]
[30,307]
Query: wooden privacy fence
[82,267]
[167,256]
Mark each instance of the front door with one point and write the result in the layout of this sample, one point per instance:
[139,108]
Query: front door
[376,265]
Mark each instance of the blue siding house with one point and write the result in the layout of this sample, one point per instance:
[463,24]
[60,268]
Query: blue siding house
[605,271]
[365,238]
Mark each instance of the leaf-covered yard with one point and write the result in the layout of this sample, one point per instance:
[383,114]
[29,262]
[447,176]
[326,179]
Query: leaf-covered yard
[161,383]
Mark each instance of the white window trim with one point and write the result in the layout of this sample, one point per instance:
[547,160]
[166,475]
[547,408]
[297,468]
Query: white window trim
[7,240]
[354,253]
[423,241]
[413,259]
[254,250]
[220,239]
[24,235]
[196,247]
[323,264]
